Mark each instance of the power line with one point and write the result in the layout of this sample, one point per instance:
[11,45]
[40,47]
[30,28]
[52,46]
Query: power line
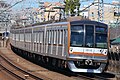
[12,6]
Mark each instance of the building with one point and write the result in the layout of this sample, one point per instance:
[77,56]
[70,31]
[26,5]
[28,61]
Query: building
[109,16]
[53,11]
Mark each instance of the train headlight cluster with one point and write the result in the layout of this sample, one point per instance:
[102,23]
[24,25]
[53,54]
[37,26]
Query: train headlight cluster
[103,51]
[71,50]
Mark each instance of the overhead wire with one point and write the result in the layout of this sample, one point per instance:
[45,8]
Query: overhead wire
[11,6]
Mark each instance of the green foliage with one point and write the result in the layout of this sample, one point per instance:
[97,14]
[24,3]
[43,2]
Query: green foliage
[70,5]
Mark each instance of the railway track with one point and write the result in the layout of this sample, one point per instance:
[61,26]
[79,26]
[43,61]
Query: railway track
[16,71]
[89,76]
[93,77]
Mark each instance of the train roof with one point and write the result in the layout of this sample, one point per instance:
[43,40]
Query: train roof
[74,22]
[80,22]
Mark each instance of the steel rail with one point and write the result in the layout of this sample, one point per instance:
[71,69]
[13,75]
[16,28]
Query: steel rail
[40,77]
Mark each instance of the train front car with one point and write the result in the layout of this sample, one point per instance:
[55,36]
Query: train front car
[88,46]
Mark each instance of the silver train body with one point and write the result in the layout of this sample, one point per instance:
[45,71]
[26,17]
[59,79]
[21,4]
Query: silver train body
[81,43]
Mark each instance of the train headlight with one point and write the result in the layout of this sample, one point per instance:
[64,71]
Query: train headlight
[105,53]
[71,50]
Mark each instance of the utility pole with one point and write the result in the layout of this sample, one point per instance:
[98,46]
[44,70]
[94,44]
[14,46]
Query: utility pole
[100,10]
[117,17]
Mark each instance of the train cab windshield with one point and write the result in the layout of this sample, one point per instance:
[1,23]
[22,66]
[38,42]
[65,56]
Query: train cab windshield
[88,36]
[101,37]
[77,34]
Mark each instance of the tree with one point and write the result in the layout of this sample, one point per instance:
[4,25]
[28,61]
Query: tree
[71,5]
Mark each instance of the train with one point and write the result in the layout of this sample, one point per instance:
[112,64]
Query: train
[5,35]
[79,45]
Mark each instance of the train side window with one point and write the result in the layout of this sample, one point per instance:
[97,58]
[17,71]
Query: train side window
[26,37]
[13,36]
[37,37]
[49,36]
[41,37]
[51,41]
[54,36]
[57,36]
[65,35]
[30,37]
[17,37]
[21,37]
[34,37]
[61,36]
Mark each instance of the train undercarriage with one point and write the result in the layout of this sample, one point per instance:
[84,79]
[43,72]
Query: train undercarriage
[81,65]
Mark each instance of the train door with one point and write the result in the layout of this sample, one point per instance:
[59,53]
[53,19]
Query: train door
[49,41]
[40,40]
[54,42]
[89,40]
[62,41]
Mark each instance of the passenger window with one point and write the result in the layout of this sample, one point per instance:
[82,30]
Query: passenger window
[55,41]
[34,37]
[54,36]
[21,37]
[26,37]
[13,36]
[16,37]
[37,37]
[49,36]
[57,36]
[40,37]
[65,35]
[30,38]
[61,36]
